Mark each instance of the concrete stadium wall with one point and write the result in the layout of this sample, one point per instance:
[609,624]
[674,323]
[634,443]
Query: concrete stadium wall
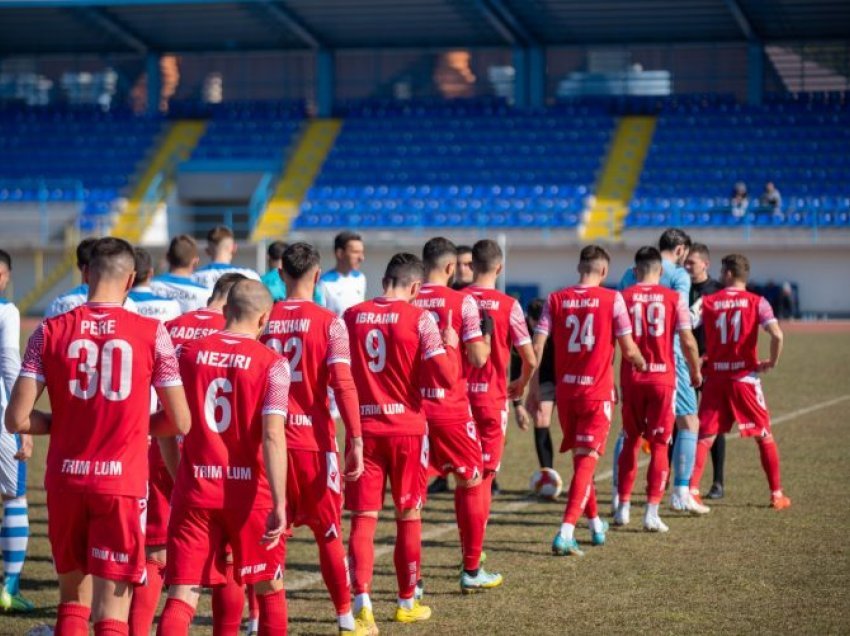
[547,259]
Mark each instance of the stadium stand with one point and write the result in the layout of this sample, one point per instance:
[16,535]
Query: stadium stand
[701,148]
[461,163]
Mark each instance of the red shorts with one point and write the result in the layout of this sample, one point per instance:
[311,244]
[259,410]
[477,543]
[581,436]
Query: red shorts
[492,426]
[314,491]
[402,458]
[159,505]
[196,546]
[649,411]
[726,401]
[455,448]
[97,534]
[585,423]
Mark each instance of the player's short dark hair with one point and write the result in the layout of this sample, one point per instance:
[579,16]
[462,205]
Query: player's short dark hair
[590,257]
[225,283]
[403,270]
[463,249]
[672,238]
[535,308]
[486,255]
[737,265]
[6,259]
[701,249]
[84,249]
[647,258]
[298,259]
[342,239]
[112,257]
[144,264]
[219,233]
[275,250]
[435,250]
[181,251]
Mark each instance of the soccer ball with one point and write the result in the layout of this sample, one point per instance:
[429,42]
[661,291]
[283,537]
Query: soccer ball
[546,483]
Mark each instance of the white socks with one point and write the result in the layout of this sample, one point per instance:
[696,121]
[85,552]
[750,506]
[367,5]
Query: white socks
[567,530]
[406,603]
[361,601]
[346,622]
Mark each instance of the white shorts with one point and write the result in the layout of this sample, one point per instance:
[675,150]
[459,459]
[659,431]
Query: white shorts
[13,473]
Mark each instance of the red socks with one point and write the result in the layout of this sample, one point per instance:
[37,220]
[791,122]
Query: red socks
[335,572]
[591,510]
[72,619]
[146,600]
[472,522]
[272,613]
[253,603]
[176,618]
[703,449]
[770,462]
[111,627]
[407,555]
[581,487]
[627,468]
[656,476]
[487,493]
[228,601]
[361,552]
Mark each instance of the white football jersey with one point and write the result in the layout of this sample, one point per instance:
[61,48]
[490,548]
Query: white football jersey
[190,294]
[151,305]
[74,298]
[211,272]
[339,292]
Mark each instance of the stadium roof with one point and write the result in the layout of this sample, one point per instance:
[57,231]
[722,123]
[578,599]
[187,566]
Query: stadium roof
[30,27]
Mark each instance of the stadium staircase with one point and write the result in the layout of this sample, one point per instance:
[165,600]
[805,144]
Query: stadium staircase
[157,179]
[617,180]
[58,273]
[299,174]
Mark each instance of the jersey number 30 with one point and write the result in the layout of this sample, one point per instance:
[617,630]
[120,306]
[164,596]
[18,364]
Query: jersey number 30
[102,376]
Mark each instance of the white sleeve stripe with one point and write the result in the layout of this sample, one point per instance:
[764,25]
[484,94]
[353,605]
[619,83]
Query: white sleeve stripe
[540,330]
[339,361]
[768,321]
[473,334]
[34,376]
[274,412]
[623,332]
[434,352]
[524,341]
[167,383]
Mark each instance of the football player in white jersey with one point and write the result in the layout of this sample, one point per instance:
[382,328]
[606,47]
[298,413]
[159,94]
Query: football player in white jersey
[182,257]
[149,303]
[221,248]
[344,285]
[14,451]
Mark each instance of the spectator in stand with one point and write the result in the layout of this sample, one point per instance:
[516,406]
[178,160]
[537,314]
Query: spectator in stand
[740,200]
[771,200]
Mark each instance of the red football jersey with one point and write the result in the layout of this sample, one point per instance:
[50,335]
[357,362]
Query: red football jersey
[657,314]
[98,362]
[195,325]
[231,382]
[488,386]
[389,341]
[312,338]
[443,302]
[731,318]
[584,322]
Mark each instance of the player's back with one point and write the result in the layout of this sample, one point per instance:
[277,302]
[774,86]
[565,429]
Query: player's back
[98,362]
[488,385]
[208,274]
[387,340]
[152,305]
[580,319]
[656,313]
[446,304]
[226,376]
[195,325]
[312,338]
[190,294]
[341,291]
[731,319]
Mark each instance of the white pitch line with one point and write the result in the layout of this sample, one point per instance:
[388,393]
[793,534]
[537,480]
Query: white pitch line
[309,580]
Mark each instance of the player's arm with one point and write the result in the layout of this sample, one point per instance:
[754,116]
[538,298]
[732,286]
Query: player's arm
[175,418]
[777,342]
[684,319]
[432,347]
[477,330]
[274,447]
[528,356]
[169,448]
[345,394]
[21,414]
[538,343]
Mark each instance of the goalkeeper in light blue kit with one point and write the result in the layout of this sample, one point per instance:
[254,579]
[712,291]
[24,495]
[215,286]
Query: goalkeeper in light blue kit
[14,451]
[674,245]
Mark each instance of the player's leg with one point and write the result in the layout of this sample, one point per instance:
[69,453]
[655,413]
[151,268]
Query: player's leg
[75,601]
[146,597]
[684,448]
[363,499]
[581,486]
[542,424]
[634,420]
[228,601]
[660,424]
[15,529]
[492,425]
[69,548]
[179,610]
[253,625]
[110,606]
[615,471]
[718,463]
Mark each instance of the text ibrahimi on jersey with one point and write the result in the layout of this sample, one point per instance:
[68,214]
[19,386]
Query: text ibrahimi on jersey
[223,360]
[370,318]
[294,325]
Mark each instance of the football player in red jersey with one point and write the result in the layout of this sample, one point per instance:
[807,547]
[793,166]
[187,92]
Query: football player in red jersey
[453,436]
[396,348]
[732,392]
[228,600]
[585,321]
[488,386]
[315,341]
[98,362]
[230,487]
[648,399]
